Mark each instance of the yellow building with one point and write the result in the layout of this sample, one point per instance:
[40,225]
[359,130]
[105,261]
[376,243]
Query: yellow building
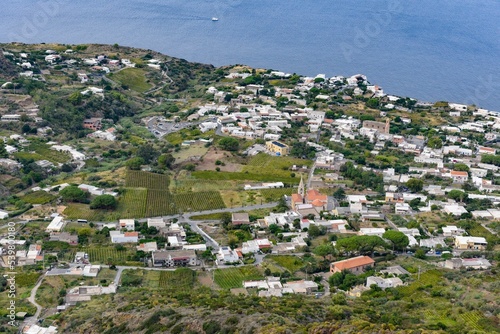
[277,147]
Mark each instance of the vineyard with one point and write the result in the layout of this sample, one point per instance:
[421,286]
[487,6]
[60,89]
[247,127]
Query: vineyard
[105,255]
[180,280]
[234,277]
[47,153]
[264,176]
[133,203]
[160,202]
[139,179]
[199,201]
[472,319]
[38,197]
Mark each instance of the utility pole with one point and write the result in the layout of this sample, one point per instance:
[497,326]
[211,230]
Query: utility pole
[418,273]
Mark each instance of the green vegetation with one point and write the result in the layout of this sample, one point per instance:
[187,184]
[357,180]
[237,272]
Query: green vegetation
[233,277]
[38,197]
[290,262]
[133,78]
[181,279]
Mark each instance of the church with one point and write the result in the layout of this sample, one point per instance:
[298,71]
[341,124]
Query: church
[310,201]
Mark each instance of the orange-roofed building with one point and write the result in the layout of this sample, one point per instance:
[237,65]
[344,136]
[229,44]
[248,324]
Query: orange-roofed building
[459,176]
[317,199]
[297,199]
[356,265]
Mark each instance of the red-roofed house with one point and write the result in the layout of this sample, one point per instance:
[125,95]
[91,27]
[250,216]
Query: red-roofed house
[356,265]
[459,176]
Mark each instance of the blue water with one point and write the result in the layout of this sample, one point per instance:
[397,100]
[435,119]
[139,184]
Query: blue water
[428,49]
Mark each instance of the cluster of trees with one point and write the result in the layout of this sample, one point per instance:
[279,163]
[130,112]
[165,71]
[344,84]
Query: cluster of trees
[302,150]
[344,280]
[491,159]
[366,244]
[361,177]
[229,144]
[74,194]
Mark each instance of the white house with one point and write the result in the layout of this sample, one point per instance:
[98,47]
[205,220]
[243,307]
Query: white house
[55,225]
[253,246]
[383,283]
[4,214]
[156,222]
[127,224]
[118,237]
[454,209]
[450,231]
[226,255]
[402,208]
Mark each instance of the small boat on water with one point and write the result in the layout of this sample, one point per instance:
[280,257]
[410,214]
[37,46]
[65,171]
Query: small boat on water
[215,19]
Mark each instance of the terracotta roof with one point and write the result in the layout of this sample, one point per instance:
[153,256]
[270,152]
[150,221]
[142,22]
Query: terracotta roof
[317,202]
[131,234]
[458,173]
[353,263]
[296,198]
[313,195]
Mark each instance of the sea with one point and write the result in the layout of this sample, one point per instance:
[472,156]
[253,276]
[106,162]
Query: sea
[431,50]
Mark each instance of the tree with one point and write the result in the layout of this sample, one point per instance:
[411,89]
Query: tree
[461,167]
[3,150]
[415,185]
[147,152]
[360,244]
[398,239]
[420,254]
[324,250]
[67,168]
[435,142]
[73,194]
[372,103]
[166,160]
[108,202]
[339,194]
[457,195]
[135,163]
[229,144]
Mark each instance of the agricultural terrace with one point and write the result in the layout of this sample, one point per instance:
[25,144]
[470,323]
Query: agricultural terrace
[155,198]
[48,153]
[139,179]
[38,197]
[182,279]
[230,278]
